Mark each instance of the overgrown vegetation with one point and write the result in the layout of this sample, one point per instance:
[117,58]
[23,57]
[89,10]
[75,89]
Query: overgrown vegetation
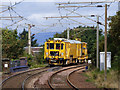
[113,75]
[97,77]
[13,47]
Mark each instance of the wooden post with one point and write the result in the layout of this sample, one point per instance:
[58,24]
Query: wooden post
[105,42]
[97,42]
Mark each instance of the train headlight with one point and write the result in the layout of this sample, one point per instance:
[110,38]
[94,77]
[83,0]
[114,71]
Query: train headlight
[62,54]
[46,53]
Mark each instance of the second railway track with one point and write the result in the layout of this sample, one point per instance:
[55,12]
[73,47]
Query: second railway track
[28,79]
[16,81]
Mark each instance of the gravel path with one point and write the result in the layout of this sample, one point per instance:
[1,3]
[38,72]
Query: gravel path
[42,81]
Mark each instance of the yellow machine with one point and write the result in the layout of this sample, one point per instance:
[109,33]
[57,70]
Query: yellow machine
[61,51]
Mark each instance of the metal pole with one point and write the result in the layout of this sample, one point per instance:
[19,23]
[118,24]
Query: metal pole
[97,41]
[68,33]
[105,41]
[119,6]
[29,39]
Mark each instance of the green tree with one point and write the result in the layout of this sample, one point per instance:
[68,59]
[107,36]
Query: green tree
[40,56]
[114,39]
[114,29]
[24,37]
[11,45]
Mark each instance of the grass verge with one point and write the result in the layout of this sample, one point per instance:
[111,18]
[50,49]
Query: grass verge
[97,77]
[38,65]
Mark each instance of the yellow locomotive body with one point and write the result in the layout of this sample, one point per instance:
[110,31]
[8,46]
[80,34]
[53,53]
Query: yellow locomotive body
[62,51]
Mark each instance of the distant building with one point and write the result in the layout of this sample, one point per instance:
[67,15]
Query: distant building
[34,50]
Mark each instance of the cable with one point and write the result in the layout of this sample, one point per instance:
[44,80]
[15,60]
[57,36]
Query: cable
[10,11]
[78,8]
[14,23]
[11,6]
[60,16]
[107,8]
[76,21]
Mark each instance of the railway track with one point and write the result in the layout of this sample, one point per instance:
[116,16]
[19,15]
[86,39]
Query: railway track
[60,79]
[35,76]
[15,81]
[24,79]
[68,78]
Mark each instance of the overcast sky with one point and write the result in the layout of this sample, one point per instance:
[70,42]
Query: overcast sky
[35,10]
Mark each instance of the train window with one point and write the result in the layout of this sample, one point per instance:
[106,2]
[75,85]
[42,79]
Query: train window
[57,46]
[47,45]
[61,46]
[53,53]
[51,45]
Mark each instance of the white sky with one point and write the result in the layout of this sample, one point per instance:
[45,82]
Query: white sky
[56,0]
[36,10]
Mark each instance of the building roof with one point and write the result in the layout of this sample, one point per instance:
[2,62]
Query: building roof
[34,49]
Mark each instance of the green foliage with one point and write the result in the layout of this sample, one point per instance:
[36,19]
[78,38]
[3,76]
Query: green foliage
[37,66]
[24,38]
[11,45]
[29,58]
[113,40]
[114,28]
[40,57]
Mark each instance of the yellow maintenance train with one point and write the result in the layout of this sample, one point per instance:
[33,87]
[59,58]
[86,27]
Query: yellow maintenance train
[61,51]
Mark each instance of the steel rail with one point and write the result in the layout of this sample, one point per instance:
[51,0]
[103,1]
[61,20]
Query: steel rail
[24,82]
[68,78]
[5,80]
[49,80]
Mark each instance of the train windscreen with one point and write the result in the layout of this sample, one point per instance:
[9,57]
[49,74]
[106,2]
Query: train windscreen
[57,46]
[51,45]
[54,53]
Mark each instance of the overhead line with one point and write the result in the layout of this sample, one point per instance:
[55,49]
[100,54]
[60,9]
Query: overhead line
[85,2]
[14,23]
[76,21]
[79,6]
[10,11]
[69,16]
[10,17]
[10,7]
[84,17]
[6,19]
[76,9]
